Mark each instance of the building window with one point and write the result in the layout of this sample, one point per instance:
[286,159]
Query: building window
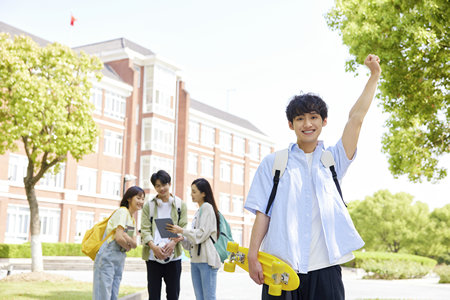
[86,180]
[192,163]
[114,106]
[253,150]
[237,235]
[158,135]
[238,174]
[151,164]
[96,99]
[50,223]
[85,221]
[54,180]
[208,136]
[17,167]
[113,143]
[225,141]
[225,171]
[194,132]
[224,202]
[238,145]
[207,167]
[238,204]
[18,224]
[265,150]
[111,183]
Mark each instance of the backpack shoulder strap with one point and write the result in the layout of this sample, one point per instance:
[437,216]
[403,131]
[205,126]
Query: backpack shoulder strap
[327,160]
[178,206]
[279,165]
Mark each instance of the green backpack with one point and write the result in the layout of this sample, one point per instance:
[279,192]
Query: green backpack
[224,238]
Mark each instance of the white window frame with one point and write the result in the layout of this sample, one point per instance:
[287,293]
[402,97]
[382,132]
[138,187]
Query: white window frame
[97,99]
[17,167]
[111,184]
[84,221]
[208,136]
[224,202]
[86,180]
[54,180]
[238,174]
[207,169]
[225,171]
[17,224]
[115,105]
[192,163]
[253,150]
[238,145]
[225,141]
[265,150]
[194,132]
[50,224]
[238,204]
[112,143]
[158,135]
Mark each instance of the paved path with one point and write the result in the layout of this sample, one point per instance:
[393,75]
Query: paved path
[239,286]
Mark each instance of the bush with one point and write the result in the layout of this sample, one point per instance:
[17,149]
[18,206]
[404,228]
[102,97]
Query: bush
[383,265]
[51,249]
[444,273]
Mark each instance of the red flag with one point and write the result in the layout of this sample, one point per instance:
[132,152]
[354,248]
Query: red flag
[72,20]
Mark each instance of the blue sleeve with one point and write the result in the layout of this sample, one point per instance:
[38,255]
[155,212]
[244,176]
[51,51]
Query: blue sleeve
[340,158]
[258,195]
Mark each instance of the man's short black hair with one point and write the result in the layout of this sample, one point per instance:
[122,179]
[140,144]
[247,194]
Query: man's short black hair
[306,103]
[162,175]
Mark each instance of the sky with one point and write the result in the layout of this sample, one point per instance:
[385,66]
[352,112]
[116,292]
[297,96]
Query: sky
[246,57]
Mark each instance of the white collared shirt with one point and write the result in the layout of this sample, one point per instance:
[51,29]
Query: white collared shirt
[289,235]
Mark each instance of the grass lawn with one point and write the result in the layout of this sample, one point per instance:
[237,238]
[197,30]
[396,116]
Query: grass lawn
[67,290]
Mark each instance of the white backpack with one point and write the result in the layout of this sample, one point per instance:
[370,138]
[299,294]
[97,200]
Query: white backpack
[279,166]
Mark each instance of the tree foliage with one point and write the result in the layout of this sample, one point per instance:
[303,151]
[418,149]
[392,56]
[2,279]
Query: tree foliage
[44,103]
[391,222]
[412,40]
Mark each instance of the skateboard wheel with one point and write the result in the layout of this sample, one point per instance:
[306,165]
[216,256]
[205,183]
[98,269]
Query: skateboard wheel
[232,247]
[275,289]
[277,267]
[229,267]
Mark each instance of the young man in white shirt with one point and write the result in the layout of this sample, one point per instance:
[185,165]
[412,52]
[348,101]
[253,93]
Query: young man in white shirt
[308,225]
[162,255]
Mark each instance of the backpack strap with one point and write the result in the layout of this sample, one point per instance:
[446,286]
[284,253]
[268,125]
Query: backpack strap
[178,206]
[327,160]
[151,206]
[279,165]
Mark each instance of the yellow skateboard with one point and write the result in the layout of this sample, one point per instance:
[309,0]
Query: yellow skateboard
[278,275]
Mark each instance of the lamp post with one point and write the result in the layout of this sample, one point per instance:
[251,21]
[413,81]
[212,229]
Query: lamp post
[127,177]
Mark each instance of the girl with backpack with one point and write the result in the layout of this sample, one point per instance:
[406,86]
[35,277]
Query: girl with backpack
[110,259]
[205,261]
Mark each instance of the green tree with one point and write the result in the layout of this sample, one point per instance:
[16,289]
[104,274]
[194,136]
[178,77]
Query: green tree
[437,240]
[412,40]
[388,222]
[44,103]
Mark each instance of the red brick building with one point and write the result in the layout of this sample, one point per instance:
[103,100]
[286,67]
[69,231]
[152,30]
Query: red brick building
[147,122]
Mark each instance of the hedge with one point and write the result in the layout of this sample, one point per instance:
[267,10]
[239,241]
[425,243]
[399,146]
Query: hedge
[444,273]
[384,265]
[51,249]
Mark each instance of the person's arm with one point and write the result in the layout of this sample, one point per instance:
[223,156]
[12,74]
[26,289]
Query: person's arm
[360,108]
[122,238]
[259,230]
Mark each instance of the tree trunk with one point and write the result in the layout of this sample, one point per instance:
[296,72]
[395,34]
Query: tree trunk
[37,264]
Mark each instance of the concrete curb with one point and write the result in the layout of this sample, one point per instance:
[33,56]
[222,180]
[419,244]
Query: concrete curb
[136,296]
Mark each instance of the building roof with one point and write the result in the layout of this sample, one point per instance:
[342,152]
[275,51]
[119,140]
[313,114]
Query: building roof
[108,71]
[212,111]
[13,31]
[120,43]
